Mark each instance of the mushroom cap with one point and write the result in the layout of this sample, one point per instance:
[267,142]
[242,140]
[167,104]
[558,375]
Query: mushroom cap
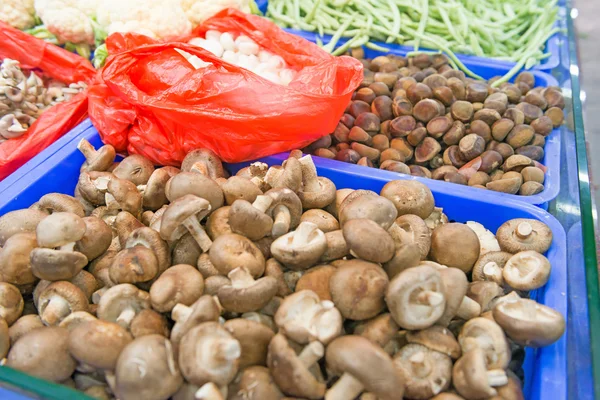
[249,221]
[455,245]
[58,202]
[488,336]
[367,204]
[526,270]
[135,168]
[96,240]
[358,288]
[23,325]
[11,303]
[217,223]
[149,322]
[321,198]
[317,280]
[483,292]
[425,372]
[147,369]
[209,353]
[4,339]
[124,224]
[59,228]
[154,196]
[62,291]
[324,220]
[120,297]
[340,196]
[199,185]
[205,309]
[455,288]
[529,323]
[290,374]
[99,160]
[240,188]
[497,259]
[19,221]
[75,319]
[436,338]
[337,247]
[300,249]
[368,240]
[416,297]
[247,295]
[134,265]
[407,255]
[43,353]
[151,239]
[254,339]
[179,284]
[254,383]
[231,250]
[209,159]
[206,268]
[274,268]
[55,265]
[379,330]
[417,230]
[289,175]
[409,197]
[523,234]
[126,196]
[447,396]
[178,211]
[15,265]
[282,196]
[98,343]
[469,376]
[212,284]
[93,185]
[368,363]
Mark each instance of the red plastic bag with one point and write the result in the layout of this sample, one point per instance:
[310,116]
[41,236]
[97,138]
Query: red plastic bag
[54,62]
[151,101]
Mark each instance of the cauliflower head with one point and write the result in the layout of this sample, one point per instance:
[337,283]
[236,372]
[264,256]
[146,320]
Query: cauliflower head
[19,14]
[69,20]
[197,11]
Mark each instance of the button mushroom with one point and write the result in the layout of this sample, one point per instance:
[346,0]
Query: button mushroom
[19,221]
[149,322]
[524,234]
[123,195]
[178,284]
[191,183]
[254,383]
[416,297]
[205,161]
[369,241]
[135,168]
[43,353]
[303,317]
[291,371]
[121,303]
[301,248]
[231,250]
[96,160]
[15,265]
[362,365]
[205,309]
[489,266]
[367,204]
[473,380]
[147,369]
[209,353]
[488,336]
[285,209]
[529,323]
[254,339]
[245,294]
[60,299]
[526,270]
[445,249]
[186,211]
[409,197]
[249,219]
[317,191]
[425,372]
[98,343]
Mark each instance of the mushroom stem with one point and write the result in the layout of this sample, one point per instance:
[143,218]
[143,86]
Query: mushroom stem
[347,387]
[311,354]
[200,168]
[124,319]
[281,221]
[56,309]
[419,365]
[523,230]
[98,294]
[493,272]
[240,278]
[142,189]
[468,309]
[310,180]
[262,203]
[497,377]
[303,233]
[67,247]
[430,298]
[273,176]
[101,183]
[197,231]
[180,312]
[86,149]
[209,391]
[399,235]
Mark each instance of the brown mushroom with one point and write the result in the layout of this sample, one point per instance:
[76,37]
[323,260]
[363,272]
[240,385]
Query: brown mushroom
[23,325]
[58,202]
[121,303]
[217,223]
[96,160]
[289,175]
[317,191]
[254,339]
[249,219]
[123,195]
[98,343]
[245,294]
[300,249]
[15,264]
[154,194]
[369,241]
[526,270]
[523,234]
[199,185]
[19,221]
[134,265]
[457,303]
[445,251]
[205,309]
[231,250]
[254,383]
[473,380]
[58,300]
[417,231]
[324,220]
[488,336]
[367,204]
[484,292]
[186,211]
[178,284]
[317,279]
[240,188]
[489,266]
[285,209]
[409,197]
[425,372]
[436,338]
[148,322]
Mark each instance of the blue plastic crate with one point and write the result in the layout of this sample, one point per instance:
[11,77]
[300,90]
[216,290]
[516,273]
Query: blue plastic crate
[552,48]
[545,369]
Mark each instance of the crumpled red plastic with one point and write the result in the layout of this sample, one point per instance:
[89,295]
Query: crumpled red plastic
[149,99]
[54,62]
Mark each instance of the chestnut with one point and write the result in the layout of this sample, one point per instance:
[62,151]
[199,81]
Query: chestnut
[380,142]
[426,109]
[535,98]
[435,80]
[487,115]
[357,134]
[534,152]
[347,120]
[416,136]
[401,106]
[417,170]
[438,126]
[490,160]
[348,155]
[427,149]
[402,126]
[501,128]
[554,98]
[440,173]
[455,177]
[458,88]
[452,156]
[556,115]
[395,166]
[516,115]
[530,111]
[444,94]
[382,108]
[479,178]
[462,111]
[477,92]
[482,129]
[520,135]
[402,145]
[418,92]
[365,94]
[455,133]
[542,125]
[471,146]
[368,122]
[392,154]
[513,93]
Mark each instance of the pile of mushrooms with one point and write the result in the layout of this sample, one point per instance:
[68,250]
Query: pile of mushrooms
[23,98]
[157,283]
[419,116]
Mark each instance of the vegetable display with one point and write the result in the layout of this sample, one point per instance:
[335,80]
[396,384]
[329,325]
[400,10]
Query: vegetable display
[419,116]
[189,283]
[512,30]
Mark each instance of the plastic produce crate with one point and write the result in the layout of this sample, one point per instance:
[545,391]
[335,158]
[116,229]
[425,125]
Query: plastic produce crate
[545,369]
[552,47]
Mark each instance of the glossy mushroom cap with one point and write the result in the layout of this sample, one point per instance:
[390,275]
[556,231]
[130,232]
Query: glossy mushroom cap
[195,184]
[240,188]
[154,194]
[368,241]
[135,168]
[380,330]
[524,234]
[97,160]
[367,204]
[149,322]
[455,245]
[96,240]
[123,195]
[409,197]
[98,343]
[24,325]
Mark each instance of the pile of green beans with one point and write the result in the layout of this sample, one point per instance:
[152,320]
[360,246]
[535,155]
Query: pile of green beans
[510,30]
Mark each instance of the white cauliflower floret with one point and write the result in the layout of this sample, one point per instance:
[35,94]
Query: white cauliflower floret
[68,20]
[19,14]
[199,11]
